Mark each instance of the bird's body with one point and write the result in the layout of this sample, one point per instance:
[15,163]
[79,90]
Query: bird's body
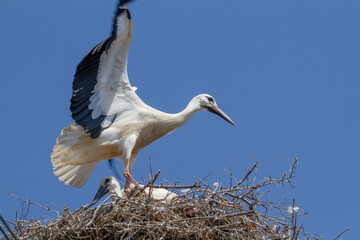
[110,185]
[76,148]
[111,120]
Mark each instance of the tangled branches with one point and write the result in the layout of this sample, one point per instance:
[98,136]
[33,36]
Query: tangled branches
[202,211]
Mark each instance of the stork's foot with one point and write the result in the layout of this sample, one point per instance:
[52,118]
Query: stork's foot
[135,190]
[127,174]
[142,188]
[128,189]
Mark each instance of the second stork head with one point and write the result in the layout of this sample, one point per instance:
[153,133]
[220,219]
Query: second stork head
[108,185]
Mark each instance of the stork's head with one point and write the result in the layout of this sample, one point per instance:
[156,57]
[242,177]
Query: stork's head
[108,184]
[207,102]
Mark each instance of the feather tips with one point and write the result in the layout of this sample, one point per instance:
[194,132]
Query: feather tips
[96,74]
[73,161]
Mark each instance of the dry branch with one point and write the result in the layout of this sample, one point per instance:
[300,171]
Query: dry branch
[201,212]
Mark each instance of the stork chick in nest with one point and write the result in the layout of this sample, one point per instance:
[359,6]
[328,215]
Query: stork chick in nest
[110,185]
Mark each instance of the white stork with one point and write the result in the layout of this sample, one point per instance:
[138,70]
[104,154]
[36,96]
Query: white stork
[111,120]
[110,185]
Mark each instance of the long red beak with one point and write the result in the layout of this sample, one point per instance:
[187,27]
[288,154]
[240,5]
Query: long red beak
[215,109]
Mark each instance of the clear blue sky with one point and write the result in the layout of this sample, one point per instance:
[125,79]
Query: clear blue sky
[287,72]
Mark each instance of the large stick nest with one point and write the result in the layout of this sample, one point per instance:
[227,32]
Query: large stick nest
[202,211]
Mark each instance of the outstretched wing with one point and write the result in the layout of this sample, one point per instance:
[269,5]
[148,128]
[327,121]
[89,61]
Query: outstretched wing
[101,88]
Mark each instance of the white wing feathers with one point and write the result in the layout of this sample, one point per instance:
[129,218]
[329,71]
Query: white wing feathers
[102,94]
[101,88]
[73,162]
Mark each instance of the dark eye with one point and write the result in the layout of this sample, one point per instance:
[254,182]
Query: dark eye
[210,99]
[107,180]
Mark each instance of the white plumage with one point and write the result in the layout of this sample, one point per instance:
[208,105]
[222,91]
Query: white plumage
[110,185]
[111,120]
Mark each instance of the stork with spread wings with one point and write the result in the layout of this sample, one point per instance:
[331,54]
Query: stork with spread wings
[111,120]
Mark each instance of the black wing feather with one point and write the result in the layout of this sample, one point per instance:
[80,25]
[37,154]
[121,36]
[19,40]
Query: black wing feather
[84,82]
[86,78]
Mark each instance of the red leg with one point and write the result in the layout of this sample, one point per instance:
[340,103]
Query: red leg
[127,186]
[129,178]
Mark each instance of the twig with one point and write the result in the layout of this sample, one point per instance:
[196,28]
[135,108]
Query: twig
[96,211]
[246,176]
[294,219]
[4,234]
[211,217]
[230,175]
[33,203]
[195,185]
[8,228]
[150,182]
[342,233]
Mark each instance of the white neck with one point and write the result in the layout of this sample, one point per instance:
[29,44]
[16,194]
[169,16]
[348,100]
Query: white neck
[174,121]
[187,113]
[165,123]
[115,191]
